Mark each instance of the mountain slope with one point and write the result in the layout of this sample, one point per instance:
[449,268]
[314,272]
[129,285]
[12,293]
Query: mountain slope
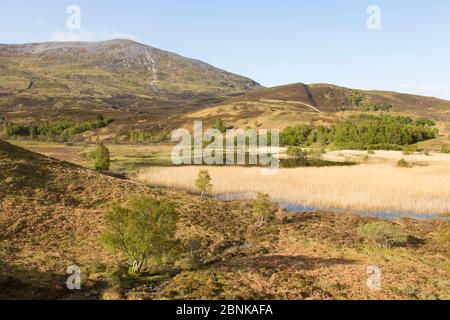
[120,77]
[282,106]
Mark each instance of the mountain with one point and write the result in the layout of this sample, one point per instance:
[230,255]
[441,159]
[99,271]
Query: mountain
[155,91]
[286,105]
[120,76]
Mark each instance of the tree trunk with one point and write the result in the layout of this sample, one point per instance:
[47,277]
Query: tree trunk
[137,266]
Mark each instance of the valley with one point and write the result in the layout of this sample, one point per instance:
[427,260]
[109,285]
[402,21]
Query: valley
[54,218]
[86,135]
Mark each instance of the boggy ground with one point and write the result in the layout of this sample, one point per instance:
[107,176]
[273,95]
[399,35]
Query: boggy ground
[51,217]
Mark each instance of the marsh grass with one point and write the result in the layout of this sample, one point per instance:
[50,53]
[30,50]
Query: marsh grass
[367,187]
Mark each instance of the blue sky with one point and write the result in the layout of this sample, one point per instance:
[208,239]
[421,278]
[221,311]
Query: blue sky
[272,41]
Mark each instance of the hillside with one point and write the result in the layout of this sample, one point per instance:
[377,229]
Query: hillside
[51,218]
[155,91]
[119,78]
[282,106]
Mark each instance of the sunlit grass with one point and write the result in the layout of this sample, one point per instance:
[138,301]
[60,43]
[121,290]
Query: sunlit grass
[367,187]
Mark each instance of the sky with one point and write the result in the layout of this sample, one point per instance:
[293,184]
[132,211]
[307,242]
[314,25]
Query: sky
[274,42]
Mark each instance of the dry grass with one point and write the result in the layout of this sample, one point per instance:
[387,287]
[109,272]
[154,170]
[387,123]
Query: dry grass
[377,187]
[52,217]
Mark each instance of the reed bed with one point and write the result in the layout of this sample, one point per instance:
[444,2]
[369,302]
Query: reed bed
[366,187]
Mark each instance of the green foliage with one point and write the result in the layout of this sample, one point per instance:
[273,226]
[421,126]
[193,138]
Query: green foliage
[102,157]
[316,153]
[376,107]
[358,102]
[363,132]
[297,153]
[62,129]
[445,148]
[194,285]
[383,234]
[407,150]
[357,98]
[262,208]
[402,163]
[220,126]
[295,136]
[203,182]
[143,230]
[136,137]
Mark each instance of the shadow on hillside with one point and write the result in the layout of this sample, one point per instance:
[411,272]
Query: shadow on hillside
[31,284]
[23,169]
[281,263]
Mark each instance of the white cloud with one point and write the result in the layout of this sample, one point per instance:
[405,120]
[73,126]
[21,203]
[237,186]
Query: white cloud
[86,35]
[80,35]
[110,36]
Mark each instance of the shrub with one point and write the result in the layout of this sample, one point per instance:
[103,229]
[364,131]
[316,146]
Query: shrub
[136,136]
[357,98]
[262,208]
[403,164]
[102,157]
[445,149]
[316,153]
[203,182]
[193,246]
[220,126]
[145,229]
[297,153]
[383,234]
[295,136]
[407,150]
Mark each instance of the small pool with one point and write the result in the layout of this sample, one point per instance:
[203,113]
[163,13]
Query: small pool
[386,215]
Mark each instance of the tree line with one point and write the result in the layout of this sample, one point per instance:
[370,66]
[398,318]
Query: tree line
[363,132]
[62,129]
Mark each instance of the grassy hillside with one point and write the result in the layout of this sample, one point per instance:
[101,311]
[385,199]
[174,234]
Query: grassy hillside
[128,81]
[154,92]
[284,106]
[51,217]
